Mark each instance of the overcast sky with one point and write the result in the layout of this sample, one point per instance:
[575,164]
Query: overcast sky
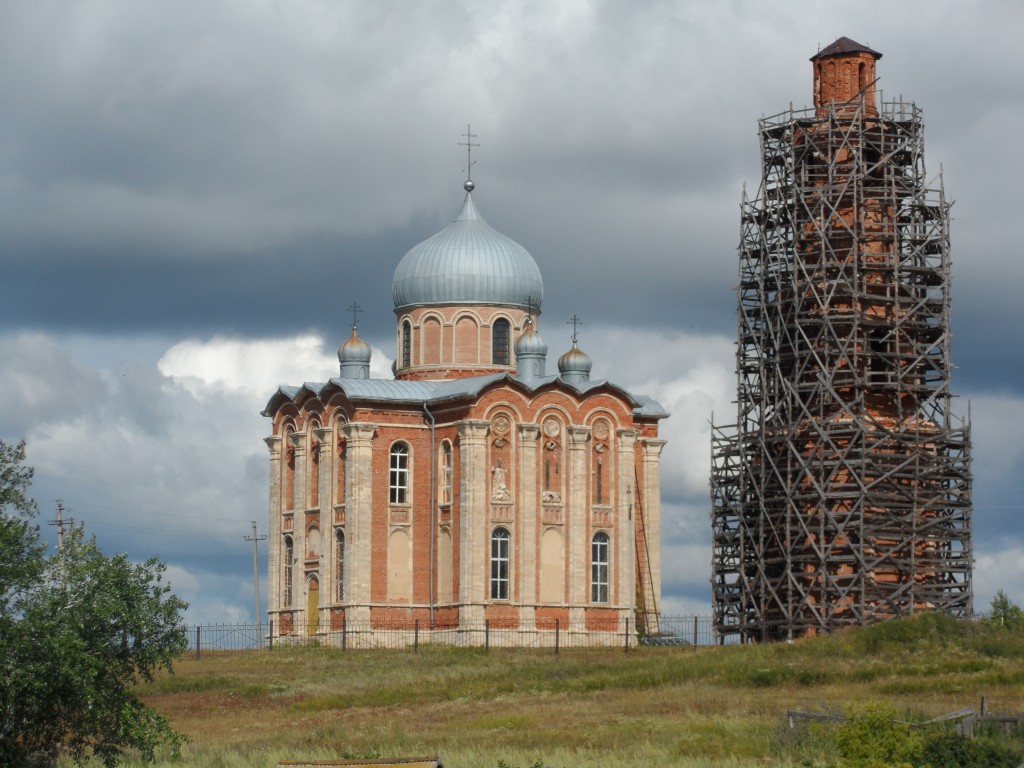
[192,192]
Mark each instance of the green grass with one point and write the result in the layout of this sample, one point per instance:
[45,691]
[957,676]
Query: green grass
[685,707]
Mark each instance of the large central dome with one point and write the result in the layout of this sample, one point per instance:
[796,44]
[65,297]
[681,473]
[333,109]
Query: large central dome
[467,262]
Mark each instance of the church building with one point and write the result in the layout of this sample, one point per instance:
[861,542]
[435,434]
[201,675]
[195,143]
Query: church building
[473,489]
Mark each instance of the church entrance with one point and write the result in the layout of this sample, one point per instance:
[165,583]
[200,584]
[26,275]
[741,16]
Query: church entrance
[313,607]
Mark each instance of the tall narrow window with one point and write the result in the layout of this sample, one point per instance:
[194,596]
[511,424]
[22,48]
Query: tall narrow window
[444,491]
[499,564]
[289,470]
[339,492]
[289,562]
[339,559]
[399,476]
[406,344]
[599,568]
[314,470]
[599,480]
[499,341]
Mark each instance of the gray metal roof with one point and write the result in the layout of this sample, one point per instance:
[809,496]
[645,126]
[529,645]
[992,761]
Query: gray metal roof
[467,262]
[431,392]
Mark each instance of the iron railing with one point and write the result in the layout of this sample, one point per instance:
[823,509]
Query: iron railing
[553,635]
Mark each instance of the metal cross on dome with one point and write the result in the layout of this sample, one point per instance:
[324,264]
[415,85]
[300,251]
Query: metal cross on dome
[355,309]
[532,307]
[468,144]
[575,322]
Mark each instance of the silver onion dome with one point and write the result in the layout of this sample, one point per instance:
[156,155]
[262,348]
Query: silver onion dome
[531,353]
[468,262]
[354,357]
[574,366]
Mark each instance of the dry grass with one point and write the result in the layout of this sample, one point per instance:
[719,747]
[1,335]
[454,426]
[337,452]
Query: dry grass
[656,706]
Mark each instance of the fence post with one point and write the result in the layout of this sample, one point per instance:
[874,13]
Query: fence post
[558,626]
[270,635]
[695,631]
[627,634]
[197,640]
[344,633]
[416,637]
[487,634]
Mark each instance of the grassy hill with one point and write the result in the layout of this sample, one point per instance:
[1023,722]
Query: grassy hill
[602,708]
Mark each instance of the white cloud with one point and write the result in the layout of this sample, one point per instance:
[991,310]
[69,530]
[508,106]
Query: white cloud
[255,367]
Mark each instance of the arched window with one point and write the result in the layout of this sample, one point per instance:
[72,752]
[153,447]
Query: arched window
[289,469]
[339,559]
[289,563]
[599,568]
[499,564]
[499,341]
[314,467]
[406,344]
[339,479]
[399,475]
[444,484]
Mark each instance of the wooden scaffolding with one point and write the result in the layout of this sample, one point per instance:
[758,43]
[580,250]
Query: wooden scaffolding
[842,494]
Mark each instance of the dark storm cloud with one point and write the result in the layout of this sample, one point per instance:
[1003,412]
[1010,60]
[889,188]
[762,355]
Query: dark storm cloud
[232,174]
[184,170]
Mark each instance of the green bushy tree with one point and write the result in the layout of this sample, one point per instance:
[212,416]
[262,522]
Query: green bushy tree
[77,629]
[1006,613]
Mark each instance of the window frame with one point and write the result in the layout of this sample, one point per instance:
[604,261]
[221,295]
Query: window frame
[446,474]
[339,563]
[406,344]
[501,342]
[289,575]
[399,466]
[500,582]
[600,568]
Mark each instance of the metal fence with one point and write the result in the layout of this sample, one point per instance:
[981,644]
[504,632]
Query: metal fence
[554,636]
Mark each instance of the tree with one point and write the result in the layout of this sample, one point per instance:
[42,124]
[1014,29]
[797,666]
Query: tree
[78,629]
[1006,613]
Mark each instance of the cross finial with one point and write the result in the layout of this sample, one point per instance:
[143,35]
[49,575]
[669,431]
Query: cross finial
[532,307]
[355,309]
[575,322]
[468,144]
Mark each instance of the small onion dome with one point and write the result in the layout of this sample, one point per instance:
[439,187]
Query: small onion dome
[531,353]
[354,356]
[531,343]
[574,366]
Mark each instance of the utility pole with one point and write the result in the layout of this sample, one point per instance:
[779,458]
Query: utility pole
[256,580]
[60,522]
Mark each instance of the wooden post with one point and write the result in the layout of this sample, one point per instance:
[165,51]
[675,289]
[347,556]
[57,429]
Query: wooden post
[198,628]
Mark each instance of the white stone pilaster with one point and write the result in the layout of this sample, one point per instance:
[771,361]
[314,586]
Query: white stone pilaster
[652,508]
[527,503]
[325,435]
[577,516]
[274,526]
[625,534]
[474,528]
[358,517]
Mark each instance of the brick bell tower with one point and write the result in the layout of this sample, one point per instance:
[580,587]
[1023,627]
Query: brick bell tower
[842,495]
[844,72]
